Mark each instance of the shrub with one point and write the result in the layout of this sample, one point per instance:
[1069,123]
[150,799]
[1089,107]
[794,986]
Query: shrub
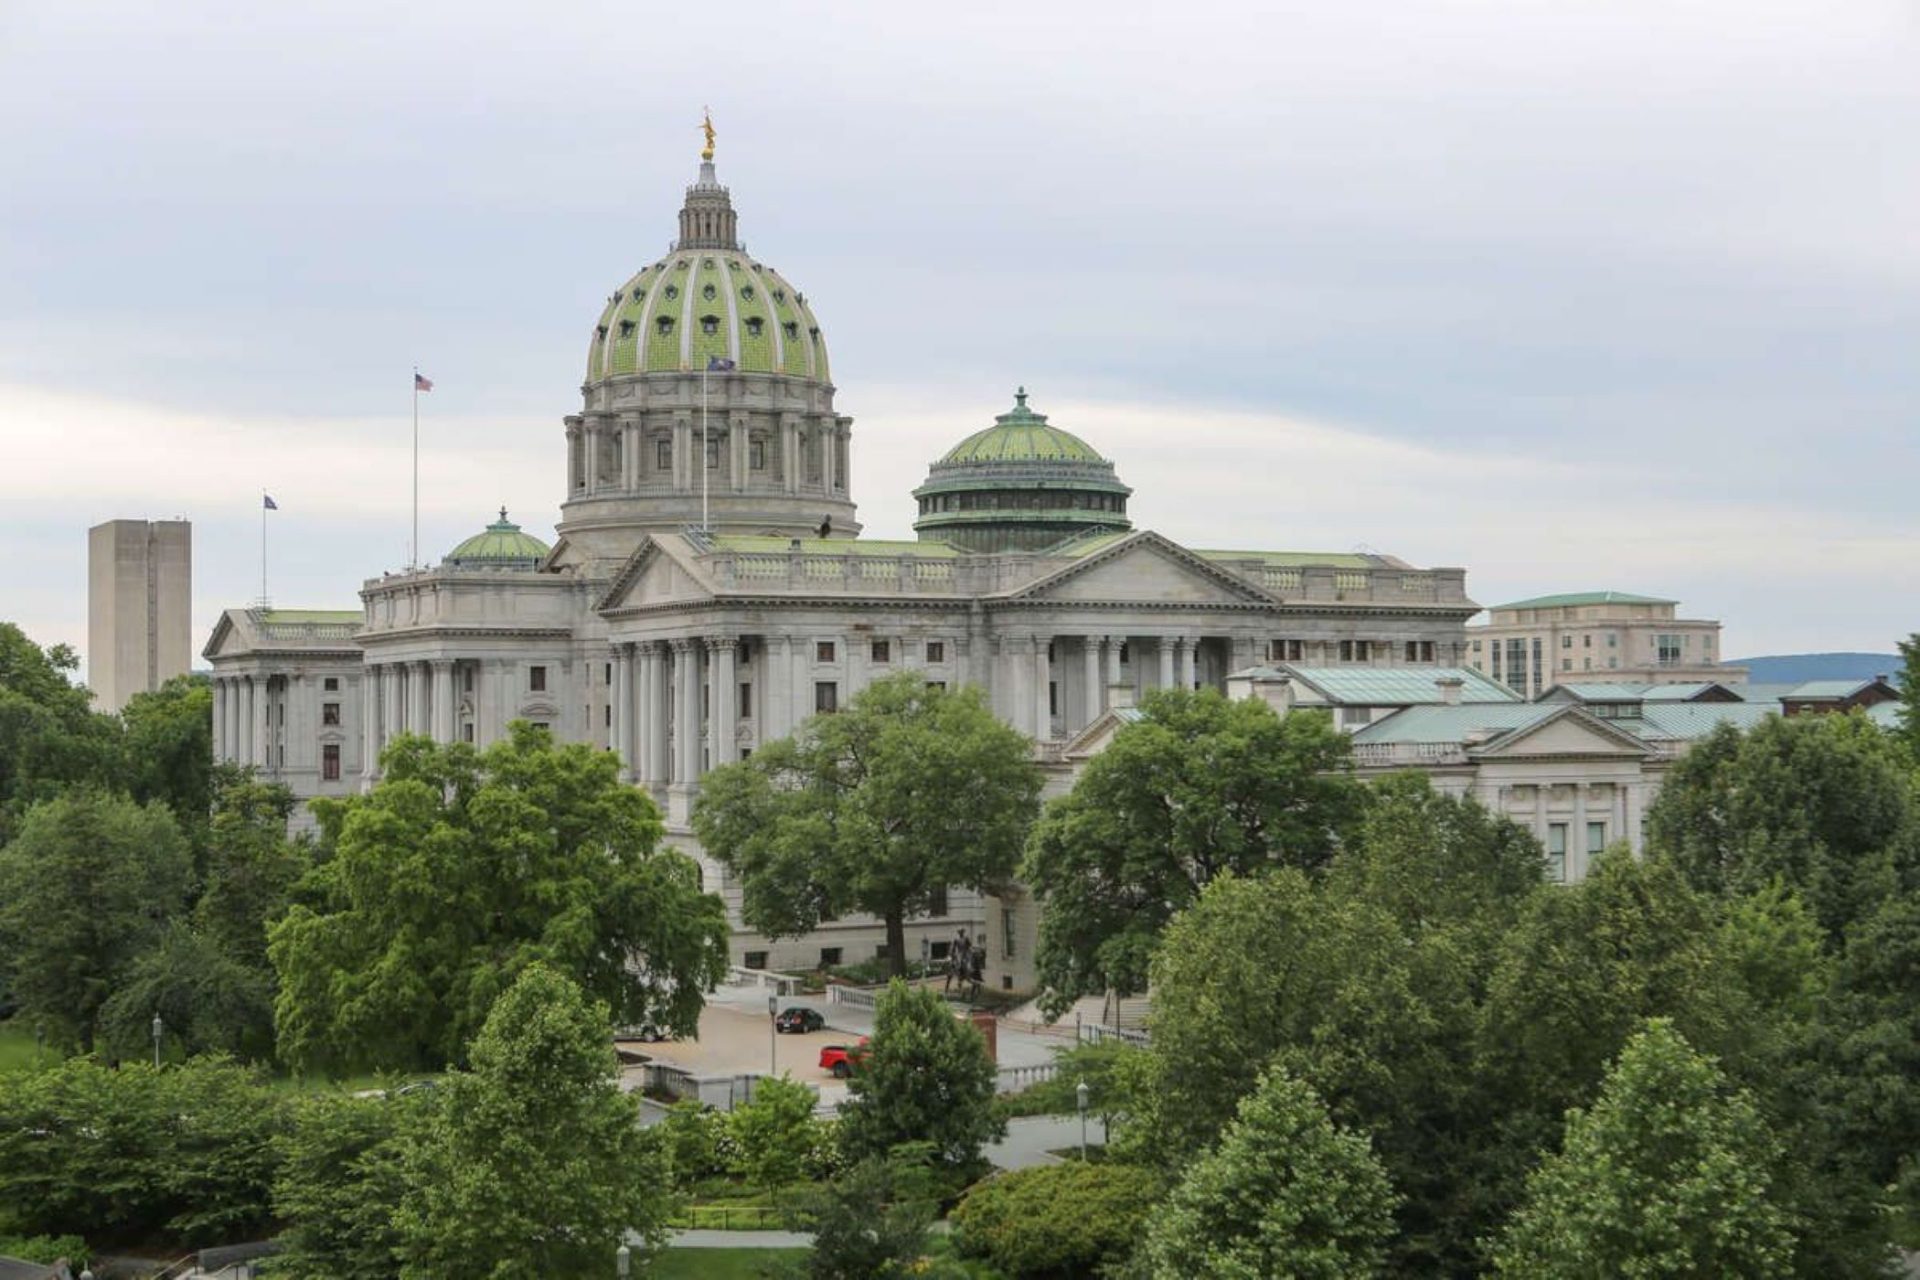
[46,1250]
[1056,1220]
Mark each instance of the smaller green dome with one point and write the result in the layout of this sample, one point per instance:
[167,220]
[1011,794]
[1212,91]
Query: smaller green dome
[1021,435]
[500,545]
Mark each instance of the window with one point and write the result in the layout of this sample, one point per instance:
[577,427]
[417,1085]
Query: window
[1596,838]
[1557,851]
[1355,717]
[1667,650]
[1586,641]
[1566,664]
[880,652]
[1006,932]
[1419,651]
[1285,650]
[1476,646]
[329,713]
[709,324]
[608,709]
[1356,650]
[663,325]
[1516,664]
[938,686]
[1539,664]
[746,700]
[754,324]
[662,455]
[1053,697]
[330,762]
[466,732]
[936,651]
[754,960]
[937,900]
[823,651]
[331,684]
[607,674]
[940,950]
[826,697]
[466,677]
[543,726]
[829,957]
[1613,639]
[1125,654]
[713,453]
[757,455]
[537,679]
[1586,664]
[1566,640]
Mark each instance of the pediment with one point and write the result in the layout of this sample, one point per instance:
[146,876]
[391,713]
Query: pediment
[653,577]
[228,639]
[1144,569]
[1570,733]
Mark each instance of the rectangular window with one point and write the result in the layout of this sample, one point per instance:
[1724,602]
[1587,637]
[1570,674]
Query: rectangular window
[466,677]
[608,677]
[1125,655]
[330,762]
[936,651]
[938,685]
[1566,664]
[754,960]
[757,455]
[1053,697]
[537,679]
[713,453]
[1586,664]
[1476,646]
[1516,664]
[1006,933]
[1355,717]
[1586,641]
[466,732]
[1539,665]
[1285,650]
[1566,640]
[940,950]
[937,901]
[746,700]
[826,697]
[543,725]
[331,684]
[1667,650]
[663,455]
[823,651]
[880,652]
[1613,639]
[829,957]
[329,713]
[608,718]
[1596,838]
[1419,651]
[1557,851]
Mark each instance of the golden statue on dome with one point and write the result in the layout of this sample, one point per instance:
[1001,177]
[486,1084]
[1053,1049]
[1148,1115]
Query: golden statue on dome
[706,127]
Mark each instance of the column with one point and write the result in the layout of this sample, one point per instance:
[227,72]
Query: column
[370,721]
[445,724]
[1633,806]
[262,740]
[590,440]
[725,695]
[1164,644]
[392,710]
[789,456]
[417,721]
[1577,837]
[630,445]
[776,700]
[659,767]
[1114,645]
[1090,680]
[685,720]
[1042,697]
[621,738]
[1185,646]
[219,719]
[800,690]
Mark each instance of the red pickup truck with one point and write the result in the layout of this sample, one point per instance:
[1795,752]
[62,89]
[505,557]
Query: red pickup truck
[841,1059]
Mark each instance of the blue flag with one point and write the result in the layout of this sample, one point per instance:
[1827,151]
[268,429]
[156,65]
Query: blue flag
[719,364]
[268,503]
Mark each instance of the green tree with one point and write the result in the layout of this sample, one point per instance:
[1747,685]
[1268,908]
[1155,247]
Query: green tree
[50,736]
[1666,1176]
[774,1133]
[1198,787]
[167,749]
[1286,1193]
[250,868]
[871,1222]
[208,1001]
[535,1162]
[458,871]
[880,808]
[925,1078]
[1910,692]
[1057,1220]
[342,1169]
[86,885]
[1824,803]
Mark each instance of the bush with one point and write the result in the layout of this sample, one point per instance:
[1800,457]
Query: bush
[1056,1220]
[46,1250]
[698,1143]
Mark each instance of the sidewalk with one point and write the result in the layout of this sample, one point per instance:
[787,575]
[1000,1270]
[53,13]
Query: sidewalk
[1031,1140]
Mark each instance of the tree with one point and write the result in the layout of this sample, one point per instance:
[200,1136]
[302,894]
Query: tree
[1910,692]
[249,869]
[86,885]
[1666,1176]
[208,1001]
[774,1133]
[341,1171]
[167,749]
[879,808]
[1824,803]
[50,736]
[1200,786]
[535,1162]
[871,1222]
[1057,1220]
[458,871]
[925,1078]
[1286,1193]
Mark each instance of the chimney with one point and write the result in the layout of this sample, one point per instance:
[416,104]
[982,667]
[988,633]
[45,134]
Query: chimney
[1275,690]
[1118,696]
[1450,687]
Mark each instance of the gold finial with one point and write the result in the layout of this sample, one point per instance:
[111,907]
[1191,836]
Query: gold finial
[706,127]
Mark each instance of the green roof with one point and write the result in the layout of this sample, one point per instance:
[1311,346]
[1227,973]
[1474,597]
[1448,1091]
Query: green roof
[1453,724]
[1405,686]
[1572,598]
[501,545]
[1021,435]
[307,617]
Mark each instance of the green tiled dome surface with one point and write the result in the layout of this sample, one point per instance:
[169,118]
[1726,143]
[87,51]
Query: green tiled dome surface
[658,321]
[500,544]
[1022,436]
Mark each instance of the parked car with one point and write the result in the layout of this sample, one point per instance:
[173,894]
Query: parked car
[800,1019]
[841,1059]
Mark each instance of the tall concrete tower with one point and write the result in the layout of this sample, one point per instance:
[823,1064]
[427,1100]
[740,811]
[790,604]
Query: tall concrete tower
[139,607]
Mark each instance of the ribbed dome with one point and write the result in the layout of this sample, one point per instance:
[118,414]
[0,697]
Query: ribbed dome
[1020,485]
[501,545]
[706,300]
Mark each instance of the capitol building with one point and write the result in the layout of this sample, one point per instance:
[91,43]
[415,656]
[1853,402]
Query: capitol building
[707,588]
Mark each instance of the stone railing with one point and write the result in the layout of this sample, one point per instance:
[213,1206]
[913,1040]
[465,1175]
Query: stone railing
[1391,754]
[1327,584]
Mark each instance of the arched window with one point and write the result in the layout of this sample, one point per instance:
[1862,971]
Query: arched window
[664,324]
[709,324]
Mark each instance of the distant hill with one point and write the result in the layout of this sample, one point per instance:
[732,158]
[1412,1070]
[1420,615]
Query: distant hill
[1792,668]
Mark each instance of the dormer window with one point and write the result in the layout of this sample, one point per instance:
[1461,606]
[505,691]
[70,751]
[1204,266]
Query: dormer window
[664,324]
[754,325]
[793,330]
[673,291]
[709,293]
[709,324]
[779,295]
[603,331]
[746,291]
[626,328]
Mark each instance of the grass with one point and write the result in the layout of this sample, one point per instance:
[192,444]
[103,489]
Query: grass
[16,1048]
[719,1264]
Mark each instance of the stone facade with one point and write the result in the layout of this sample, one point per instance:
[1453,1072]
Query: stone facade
[1535,644]
[139,607]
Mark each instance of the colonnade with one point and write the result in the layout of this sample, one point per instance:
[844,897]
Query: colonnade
[241,720]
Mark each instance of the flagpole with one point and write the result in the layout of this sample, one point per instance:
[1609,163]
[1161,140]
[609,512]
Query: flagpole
[704,528]
[263,548]
[413,553]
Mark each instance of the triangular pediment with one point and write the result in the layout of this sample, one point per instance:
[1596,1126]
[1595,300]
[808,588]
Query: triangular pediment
[1144,569]
[228,638]
[1568,733]
[653,576]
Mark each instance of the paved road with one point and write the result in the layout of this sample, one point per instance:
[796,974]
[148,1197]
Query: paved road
[741,1239]
[1031,1140]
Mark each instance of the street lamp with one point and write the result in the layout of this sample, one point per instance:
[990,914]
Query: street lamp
[1080,1100]
[159,1029]
[39,1038]
[623,1262]
[773,1033]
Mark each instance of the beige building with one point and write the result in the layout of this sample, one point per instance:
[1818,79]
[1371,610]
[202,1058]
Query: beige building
[1532,645]
[139,607]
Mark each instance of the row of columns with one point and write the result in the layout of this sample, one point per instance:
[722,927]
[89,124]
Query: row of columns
[412,697]
[1031,702]
[675,707]
[240,720]
[601,470]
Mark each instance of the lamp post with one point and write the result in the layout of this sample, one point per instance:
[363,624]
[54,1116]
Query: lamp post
[773,1033]
[1080,1100]
[39,1038]
[159,1029]
[623,1262]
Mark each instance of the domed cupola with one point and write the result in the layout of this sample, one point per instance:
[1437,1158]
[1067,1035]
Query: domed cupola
[501,545]
[1020,485]
[708,400]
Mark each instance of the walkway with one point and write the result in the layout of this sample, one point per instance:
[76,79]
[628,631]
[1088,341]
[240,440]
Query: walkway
[1032,1140]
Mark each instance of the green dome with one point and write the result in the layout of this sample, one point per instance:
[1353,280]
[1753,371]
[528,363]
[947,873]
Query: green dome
[707,299]
[1020,485]
[500,545]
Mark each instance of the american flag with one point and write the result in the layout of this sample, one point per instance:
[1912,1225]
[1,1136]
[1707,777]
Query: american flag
[719,364]
[421,383]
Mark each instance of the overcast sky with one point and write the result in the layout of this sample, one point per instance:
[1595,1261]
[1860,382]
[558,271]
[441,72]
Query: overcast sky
[1576,295]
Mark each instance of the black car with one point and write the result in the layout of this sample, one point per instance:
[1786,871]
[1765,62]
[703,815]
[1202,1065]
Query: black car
[799,1019]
